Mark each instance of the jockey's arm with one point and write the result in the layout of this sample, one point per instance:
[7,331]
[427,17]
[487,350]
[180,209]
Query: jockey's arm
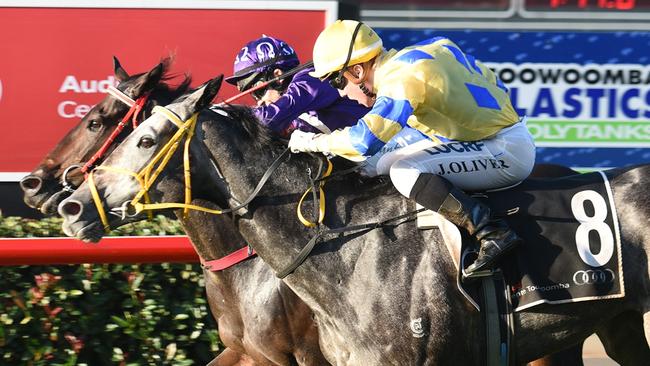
[370,133]
[303,94]
[396,100]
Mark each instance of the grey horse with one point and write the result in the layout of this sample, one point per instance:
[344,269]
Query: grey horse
[367,289]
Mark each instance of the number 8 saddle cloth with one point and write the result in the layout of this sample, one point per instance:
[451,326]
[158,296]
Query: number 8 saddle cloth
[572,248]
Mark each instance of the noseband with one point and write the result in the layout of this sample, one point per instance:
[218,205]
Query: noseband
[67,186]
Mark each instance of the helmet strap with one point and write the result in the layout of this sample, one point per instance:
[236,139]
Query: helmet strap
[338,79]
[361,80]
[366,91]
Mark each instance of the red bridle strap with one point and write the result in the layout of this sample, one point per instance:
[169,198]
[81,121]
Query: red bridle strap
[230,260]
[133,113]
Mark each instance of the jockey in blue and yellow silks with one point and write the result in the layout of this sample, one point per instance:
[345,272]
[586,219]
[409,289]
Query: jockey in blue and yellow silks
[476,139]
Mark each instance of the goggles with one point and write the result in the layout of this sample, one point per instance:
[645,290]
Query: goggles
[257,79]
[259,93]
[337,80]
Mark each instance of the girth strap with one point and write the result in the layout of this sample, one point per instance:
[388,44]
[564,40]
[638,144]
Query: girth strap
[307,249]
[497,318]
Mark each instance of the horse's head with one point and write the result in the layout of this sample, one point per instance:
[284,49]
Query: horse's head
[45,186]
[134,165]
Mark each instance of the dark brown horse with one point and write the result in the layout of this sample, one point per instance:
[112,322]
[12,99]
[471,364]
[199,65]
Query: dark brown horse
[261,321]
[44,187]
[365,289]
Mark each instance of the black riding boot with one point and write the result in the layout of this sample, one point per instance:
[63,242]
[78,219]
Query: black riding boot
[493,235]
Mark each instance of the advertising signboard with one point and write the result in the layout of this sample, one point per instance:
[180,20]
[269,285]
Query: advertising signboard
[57,61]
[586,94]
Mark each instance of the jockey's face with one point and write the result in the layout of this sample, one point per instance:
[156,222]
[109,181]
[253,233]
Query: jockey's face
[358,75]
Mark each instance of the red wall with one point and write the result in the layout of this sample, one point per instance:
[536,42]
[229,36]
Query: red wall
[40,48]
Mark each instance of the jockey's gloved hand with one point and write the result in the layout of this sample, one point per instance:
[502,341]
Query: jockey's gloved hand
[301,141]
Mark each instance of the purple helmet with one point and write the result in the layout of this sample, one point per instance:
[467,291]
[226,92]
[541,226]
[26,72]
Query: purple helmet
[262,55]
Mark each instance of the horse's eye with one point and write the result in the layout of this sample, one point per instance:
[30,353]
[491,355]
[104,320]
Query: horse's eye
[94,125]
[146,142]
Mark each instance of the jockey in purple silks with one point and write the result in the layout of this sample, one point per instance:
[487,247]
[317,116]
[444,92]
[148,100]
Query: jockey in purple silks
[300,102]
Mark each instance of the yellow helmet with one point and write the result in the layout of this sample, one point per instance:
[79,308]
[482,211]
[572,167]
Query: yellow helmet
[332,47]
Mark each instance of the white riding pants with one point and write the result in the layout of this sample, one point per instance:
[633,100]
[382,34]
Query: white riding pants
[501,161]
[406,136]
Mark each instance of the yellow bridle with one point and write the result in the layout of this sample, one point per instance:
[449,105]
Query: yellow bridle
[147,176]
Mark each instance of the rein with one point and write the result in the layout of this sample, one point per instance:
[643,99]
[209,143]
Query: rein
[266,83]
[307,249]
[147,176]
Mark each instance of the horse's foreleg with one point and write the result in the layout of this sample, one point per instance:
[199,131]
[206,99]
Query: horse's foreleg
[624,340]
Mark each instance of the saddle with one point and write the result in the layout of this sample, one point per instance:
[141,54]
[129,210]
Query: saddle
[571,250]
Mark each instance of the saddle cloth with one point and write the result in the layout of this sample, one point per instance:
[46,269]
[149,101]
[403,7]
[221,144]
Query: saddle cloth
[572,248]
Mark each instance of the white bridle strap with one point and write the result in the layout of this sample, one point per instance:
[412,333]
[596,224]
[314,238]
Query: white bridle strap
[120,96]
[315,122]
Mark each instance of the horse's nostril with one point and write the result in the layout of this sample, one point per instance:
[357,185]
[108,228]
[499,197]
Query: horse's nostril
[31,183]
[71,208]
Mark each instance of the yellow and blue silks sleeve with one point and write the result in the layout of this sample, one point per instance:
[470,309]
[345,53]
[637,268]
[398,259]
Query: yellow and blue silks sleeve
[397,97]
[386,118]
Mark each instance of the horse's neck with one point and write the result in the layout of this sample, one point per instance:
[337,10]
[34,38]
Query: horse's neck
[377,261]
[273,227]
[213,236]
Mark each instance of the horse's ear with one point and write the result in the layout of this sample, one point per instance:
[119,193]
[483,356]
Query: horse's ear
[120,73]
[148,81]
[210,90]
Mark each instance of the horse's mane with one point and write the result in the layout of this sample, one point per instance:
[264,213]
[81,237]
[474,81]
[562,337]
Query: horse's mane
[243,119]
[171,92]
[246,122]
[164,89]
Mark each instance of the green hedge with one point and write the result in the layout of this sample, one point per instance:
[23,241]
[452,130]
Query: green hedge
[103,314]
